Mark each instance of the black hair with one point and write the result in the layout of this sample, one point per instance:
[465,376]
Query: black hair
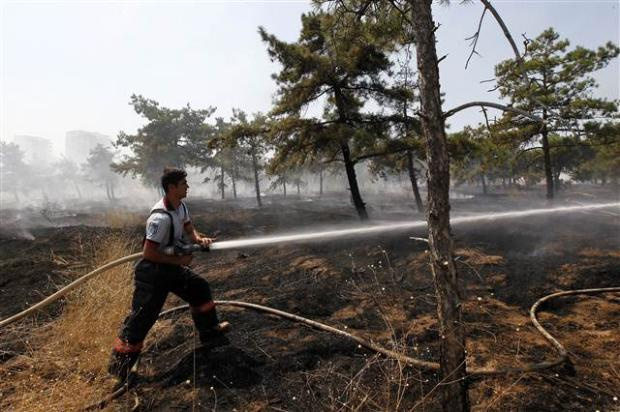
[172,176]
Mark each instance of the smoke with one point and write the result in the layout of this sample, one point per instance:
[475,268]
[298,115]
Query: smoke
[15,226]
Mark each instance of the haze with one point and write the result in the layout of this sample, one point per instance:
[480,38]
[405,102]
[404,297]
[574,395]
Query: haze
[73,65]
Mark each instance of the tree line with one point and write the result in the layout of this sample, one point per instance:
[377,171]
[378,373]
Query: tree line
[363,80]
[20,177]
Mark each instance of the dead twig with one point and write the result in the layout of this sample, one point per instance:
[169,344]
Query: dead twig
[474,38]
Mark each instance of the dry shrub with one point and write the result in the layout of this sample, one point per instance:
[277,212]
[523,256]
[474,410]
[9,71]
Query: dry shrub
[379,385]
[65,367]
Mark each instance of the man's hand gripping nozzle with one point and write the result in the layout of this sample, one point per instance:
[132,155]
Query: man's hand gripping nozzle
[181,250]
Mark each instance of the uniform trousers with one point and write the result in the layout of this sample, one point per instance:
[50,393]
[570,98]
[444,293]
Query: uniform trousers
[153,282]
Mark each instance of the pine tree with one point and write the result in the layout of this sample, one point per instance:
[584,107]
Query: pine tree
[98,169]
[13,169]
[344,70]
[559,91]
[68,171]
[171,137]
[599,161]
[249,137]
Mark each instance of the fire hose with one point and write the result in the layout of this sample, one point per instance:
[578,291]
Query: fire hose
[188,249]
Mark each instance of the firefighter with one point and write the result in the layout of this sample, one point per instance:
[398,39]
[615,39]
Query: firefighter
[156,274]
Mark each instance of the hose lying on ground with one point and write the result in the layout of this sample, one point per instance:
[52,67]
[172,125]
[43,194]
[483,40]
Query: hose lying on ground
[392,354]
[563,354]
[62,292]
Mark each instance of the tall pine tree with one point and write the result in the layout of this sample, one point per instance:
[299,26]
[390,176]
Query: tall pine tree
[560,90]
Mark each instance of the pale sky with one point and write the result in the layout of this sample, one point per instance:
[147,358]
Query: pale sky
[68,65]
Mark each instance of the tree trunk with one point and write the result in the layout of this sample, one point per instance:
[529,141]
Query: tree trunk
[547,156]
[256,182]
[298,189]
[107,190]
[547,160]
[484,184]
[222,181]
[112,190]
[284,187]
[349,166]
[452,358]
[414,182]
[234,184]
[321,182]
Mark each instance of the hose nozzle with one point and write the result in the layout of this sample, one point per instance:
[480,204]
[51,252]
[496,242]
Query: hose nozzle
[180,250]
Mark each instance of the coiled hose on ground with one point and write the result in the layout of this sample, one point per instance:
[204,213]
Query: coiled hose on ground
[562,353]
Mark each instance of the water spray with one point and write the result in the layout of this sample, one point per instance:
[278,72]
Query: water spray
[396,226]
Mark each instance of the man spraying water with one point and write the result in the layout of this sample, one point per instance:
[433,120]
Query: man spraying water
[158,272]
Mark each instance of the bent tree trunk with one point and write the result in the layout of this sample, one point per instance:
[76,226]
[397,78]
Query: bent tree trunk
[349,166]
[452,358]
[256,182]
[414,182]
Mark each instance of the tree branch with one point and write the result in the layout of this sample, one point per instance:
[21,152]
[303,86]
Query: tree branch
[500,21]
[475,38]
[495,106]
[402,12]
[568,145]
[486,120]
[377,154]
[518,56]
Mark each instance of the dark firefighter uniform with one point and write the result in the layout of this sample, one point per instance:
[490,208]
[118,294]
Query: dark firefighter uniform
[153,281]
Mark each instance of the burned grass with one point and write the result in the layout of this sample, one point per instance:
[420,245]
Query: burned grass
[60,363]
[379,288]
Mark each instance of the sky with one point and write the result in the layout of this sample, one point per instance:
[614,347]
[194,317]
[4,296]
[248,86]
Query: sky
[73,65]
